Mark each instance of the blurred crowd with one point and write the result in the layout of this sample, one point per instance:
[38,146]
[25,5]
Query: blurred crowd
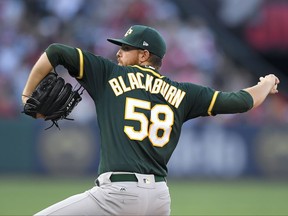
[193,55]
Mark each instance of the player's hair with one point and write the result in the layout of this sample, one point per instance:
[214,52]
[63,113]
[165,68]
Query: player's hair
[155,61]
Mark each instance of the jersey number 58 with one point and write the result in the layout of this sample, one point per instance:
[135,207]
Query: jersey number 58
[157,129]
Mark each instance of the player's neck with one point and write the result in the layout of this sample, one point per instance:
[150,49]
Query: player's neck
[148,66]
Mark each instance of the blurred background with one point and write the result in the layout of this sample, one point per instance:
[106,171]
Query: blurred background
[224,44]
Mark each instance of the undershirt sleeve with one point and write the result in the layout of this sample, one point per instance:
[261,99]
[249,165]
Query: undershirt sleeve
[232,102]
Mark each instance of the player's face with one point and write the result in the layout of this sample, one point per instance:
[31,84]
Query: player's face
[128,55]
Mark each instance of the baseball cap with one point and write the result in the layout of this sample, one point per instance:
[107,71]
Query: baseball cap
[143,37]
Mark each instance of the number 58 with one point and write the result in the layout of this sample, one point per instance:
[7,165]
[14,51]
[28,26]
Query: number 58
[156,124]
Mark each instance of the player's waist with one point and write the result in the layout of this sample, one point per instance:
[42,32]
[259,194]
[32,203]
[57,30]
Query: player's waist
[109,177]
[132,177]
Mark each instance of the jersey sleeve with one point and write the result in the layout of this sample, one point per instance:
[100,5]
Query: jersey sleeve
[90,70]
[59,54]
[205,101]
[199,101]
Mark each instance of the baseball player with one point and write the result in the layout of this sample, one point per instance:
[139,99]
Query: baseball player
[140,113]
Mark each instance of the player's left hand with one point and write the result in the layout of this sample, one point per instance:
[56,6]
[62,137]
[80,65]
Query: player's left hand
[53,99]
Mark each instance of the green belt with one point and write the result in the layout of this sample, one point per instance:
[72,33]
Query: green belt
[131,178]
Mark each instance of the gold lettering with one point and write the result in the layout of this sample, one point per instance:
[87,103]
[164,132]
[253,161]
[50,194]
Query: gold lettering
[157,86]
[170,94]
[164,88]
[148,83]
[139,78]
[178,98]
[115,86]
[133,81]
[123,85]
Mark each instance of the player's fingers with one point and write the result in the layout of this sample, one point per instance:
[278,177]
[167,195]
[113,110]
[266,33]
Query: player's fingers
[274,90]
[38,115]
[260,79]
[277,81]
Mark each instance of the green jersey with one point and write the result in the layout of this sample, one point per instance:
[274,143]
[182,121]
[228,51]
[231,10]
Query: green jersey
[140,112]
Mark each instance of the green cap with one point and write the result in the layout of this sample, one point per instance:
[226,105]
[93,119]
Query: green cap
[143,37]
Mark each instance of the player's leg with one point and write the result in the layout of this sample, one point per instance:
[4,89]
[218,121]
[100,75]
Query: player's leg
[108,199]
[159,201]
[80,204]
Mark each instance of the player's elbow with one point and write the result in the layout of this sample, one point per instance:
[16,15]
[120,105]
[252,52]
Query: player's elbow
[246,101]
[53,48]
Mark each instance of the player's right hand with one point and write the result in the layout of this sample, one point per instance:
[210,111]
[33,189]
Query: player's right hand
[271,80]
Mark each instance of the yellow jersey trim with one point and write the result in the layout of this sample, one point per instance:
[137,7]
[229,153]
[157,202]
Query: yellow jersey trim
[212,103]
[148,70]
[81,63]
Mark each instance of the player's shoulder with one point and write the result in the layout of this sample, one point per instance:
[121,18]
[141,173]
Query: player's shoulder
[177,83]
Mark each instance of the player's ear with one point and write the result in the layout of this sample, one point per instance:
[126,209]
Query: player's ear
[144,55]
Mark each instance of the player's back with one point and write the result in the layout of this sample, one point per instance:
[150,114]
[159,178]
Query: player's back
[140,116]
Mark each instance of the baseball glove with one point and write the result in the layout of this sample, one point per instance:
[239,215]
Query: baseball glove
[53,98]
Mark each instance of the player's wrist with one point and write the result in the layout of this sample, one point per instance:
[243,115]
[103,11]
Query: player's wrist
[24,98]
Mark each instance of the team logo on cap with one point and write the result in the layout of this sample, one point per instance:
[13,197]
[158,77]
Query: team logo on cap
[145,43]
[130,30]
